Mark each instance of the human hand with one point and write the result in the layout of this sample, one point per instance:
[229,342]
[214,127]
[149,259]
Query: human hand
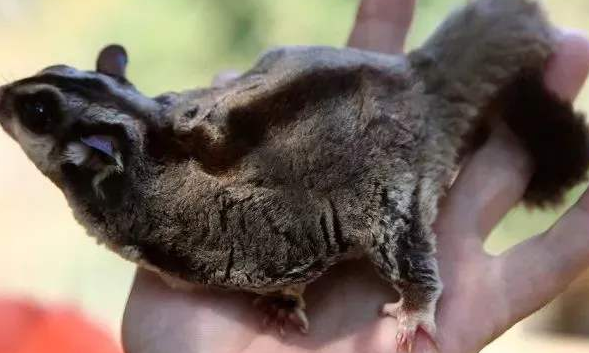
[483,295]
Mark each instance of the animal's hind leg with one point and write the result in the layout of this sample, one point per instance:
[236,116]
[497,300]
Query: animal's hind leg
[284,306]
[404,256]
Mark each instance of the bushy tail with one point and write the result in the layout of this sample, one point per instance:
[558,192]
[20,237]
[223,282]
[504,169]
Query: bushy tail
[555,136]
[490,57]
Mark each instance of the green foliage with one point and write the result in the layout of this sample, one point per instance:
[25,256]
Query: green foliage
[179,44]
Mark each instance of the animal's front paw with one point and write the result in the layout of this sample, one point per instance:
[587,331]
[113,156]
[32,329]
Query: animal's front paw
[280,310]
[409,322]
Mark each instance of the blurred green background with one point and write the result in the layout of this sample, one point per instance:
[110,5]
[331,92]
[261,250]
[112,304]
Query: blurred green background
[173,45]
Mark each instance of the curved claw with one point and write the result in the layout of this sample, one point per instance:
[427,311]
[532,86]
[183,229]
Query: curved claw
[299,319]
[409,322]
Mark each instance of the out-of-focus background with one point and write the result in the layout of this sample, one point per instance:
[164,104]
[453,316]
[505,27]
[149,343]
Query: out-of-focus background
[178,44]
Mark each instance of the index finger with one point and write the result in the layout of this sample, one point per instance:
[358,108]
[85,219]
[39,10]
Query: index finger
[382,25]
[538,269]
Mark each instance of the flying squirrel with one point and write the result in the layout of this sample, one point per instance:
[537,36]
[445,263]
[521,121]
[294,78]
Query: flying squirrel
[313,156]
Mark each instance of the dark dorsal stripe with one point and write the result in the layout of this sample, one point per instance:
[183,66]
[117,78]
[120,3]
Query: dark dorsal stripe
[91,89]
[85,87]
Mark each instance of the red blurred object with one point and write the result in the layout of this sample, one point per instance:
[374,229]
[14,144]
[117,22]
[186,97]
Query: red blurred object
[26,327]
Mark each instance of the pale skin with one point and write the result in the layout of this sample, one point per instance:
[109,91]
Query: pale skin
[484,295]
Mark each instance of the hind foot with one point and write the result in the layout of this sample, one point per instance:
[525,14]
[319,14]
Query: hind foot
[409,322]
[282,309]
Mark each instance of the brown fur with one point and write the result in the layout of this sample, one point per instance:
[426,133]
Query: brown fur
[314,155]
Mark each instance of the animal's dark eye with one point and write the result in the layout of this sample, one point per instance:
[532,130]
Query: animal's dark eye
[38,112]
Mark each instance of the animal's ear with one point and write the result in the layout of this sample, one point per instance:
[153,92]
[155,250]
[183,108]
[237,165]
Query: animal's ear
[112,60]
